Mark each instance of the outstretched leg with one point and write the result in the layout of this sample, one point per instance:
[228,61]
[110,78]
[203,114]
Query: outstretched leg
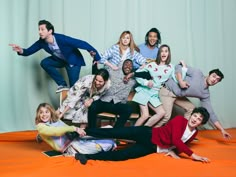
[134,151]
[167,98]
[139,134]
[50,65]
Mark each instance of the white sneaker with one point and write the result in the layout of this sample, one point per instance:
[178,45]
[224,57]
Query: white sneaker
[61,88]
[107,126]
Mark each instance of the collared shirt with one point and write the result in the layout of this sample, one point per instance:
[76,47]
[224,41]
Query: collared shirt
[55,49]
[113,56]
[197,89]
[119,91]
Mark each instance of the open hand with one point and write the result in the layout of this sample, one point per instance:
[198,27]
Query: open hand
[199,158]
[226,135]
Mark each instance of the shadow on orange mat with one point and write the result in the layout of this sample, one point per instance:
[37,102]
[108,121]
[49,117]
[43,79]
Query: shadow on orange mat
[22,156]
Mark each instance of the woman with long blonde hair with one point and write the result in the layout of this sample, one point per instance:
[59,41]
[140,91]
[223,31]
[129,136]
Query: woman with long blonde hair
[55,133]
[124,49]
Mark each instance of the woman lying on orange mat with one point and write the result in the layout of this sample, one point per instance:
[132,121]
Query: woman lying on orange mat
[55,133]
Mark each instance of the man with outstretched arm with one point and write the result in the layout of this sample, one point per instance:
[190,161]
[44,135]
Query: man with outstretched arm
[194,85]
[64,53]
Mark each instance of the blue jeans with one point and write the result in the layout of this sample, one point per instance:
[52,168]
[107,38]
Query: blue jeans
[50,65]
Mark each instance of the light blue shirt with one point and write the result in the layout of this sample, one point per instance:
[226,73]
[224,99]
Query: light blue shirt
[55,49]
[147,52]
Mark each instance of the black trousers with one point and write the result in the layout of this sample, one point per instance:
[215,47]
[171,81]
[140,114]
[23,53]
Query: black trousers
[123,110]
[143,146]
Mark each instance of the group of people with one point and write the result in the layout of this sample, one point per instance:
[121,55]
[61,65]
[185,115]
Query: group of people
[148,70]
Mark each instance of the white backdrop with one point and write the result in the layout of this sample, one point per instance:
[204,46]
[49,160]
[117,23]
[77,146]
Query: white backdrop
[202,32]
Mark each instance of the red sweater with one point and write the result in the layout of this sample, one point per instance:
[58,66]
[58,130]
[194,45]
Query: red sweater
[171,134]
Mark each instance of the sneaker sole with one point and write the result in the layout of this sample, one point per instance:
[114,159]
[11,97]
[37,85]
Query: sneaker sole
[58,91]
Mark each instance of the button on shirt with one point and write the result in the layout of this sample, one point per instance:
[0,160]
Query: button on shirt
[119,91]
[55,49]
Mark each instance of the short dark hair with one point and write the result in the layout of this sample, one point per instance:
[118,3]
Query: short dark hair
[128,60]
[218,73]
[158,36]
[49,26]
[125,61]
[203,111]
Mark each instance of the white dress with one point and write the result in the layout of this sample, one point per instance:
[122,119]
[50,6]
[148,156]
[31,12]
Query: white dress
[76,97]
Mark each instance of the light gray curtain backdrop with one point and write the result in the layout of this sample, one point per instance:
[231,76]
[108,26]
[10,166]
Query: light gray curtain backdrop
[201,32]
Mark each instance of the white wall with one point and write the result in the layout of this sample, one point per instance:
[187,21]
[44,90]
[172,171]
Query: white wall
[202,32]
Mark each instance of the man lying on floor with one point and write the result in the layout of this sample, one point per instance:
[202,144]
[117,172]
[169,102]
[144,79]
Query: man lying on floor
[170,139]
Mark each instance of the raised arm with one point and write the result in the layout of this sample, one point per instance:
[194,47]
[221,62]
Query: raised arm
[16,48]
[108,55]
[180,74]
[77,43]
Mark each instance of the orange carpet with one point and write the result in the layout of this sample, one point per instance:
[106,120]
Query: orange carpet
[21,156]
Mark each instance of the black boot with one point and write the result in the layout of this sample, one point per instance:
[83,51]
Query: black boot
[81,157]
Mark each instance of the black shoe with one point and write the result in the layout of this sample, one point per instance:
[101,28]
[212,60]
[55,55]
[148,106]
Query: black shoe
[39,139]
[72,135]
[81,157]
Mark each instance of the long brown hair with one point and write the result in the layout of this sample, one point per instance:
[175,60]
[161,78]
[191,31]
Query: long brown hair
[104,74]
[132,44]
[54,117]
[158,59]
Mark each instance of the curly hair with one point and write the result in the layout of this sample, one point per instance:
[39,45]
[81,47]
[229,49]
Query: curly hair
[203,111]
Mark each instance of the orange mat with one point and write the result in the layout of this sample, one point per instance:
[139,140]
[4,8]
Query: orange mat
[22,156]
